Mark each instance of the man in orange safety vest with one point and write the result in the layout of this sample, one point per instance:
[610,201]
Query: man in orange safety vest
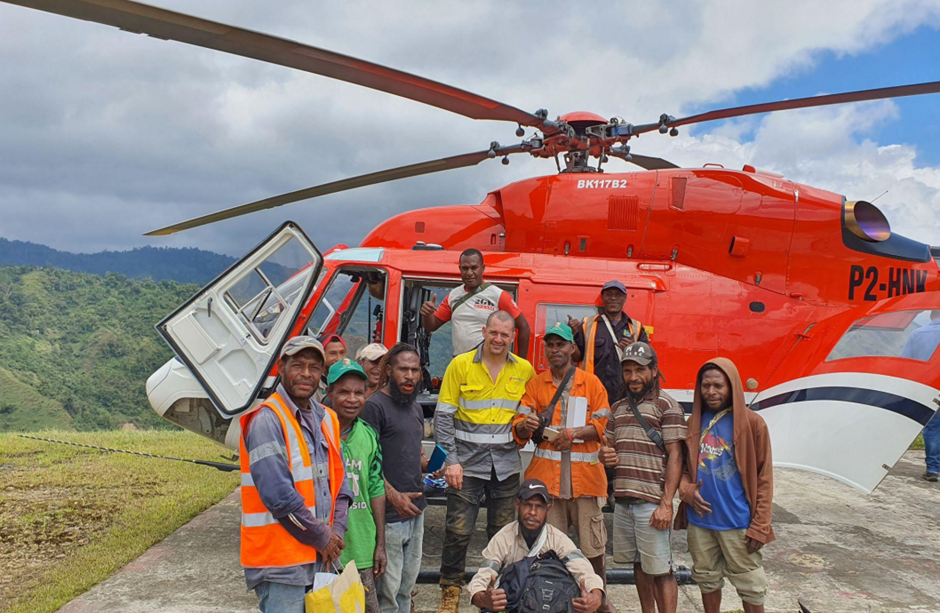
[295,499]
[568,409]
[602,338]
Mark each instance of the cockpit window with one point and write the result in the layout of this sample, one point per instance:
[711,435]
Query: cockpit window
[353,306]
[902,334]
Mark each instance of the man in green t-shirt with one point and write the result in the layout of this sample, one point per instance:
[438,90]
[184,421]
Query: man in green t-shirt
[365,536]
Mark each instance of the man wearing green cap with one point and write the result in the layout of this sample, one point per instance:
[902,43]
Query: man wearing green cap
[572,403]
[365,536]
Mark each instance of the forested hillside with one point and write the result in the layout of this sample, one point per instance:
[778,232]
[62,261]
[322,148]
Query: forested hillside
[159,264]
[76,349]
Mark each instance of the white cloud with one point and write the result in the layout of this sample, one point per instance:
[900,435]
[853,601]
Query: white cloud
[106,135]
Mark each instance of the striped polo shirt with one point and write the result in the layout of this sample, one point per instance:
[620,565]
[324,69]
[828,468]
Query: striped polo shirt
[641,467]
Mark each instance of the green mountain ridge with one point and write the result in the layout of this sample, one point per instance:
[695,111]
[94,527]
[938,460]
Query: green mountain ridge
[76,349]
[186,265]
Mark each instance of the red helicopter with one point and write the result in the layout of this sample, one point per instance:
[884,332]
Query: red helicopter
[812,295]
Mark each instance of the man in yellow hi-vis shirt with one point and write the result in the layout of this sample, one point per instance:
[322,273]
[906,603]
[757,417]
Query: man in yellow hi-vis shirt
[473,423]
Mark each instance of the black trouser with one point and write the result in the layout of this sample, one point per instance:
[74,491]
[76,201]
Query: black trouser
[462,508]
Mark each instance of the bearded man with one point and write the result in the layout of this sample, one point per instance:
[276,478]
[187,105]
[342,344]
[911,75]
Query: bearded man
[647,430]
[399,422]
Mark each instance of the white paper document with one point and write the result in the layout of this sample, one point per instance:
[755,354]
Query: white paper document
[577,413]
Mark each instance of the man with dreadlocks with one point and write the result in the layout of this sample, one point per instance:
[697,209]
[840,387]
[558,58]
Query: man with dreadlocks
[643,443]
[399,423]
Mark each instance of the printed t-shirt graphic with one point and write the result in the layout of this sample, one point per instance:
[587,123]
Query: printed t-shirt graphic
[721,480]
[470,317]
[363,461]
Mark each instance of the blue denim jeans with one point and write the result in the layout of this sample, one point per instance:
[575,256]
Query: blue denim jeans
[280,598]
[403,542]
[932,444]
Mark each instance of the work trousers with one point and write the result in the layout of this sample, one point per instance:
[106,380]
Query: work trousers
[462,508]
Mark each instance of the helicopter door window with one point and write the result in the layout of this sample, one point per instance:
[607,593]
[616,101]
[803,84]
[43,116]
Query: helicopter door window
[546,315]
[353,306]
[902,334]
[228,334]
[262,297]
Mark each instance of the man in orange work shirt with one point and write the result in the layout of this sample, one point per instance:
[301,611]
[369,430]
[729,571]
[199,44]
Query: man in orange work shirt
[568,464]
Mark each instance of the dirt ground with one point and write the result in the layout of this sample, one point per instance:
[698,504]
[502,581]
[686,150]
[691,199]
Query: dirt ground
[837,551]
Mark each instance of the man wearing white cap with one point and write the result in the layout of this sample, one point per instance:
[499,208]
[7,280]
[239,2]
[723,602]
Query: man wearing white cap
[370,358]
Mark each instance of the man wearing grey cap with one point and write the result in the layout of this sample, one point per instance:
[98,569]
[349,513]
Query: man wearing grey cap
[643,444]
[528,537]
[601,339]
[295,498]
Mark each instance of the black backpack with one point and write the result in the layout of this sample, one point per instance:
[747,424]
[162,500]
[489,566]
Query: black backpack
[547,587]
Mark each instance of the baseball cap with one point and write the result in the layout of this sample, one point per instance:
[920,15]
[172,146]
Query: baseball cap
[334,338]
[299,343]
[371,352]
[614,284]
[562,330]
[344,367]
[638,352]
[533,487]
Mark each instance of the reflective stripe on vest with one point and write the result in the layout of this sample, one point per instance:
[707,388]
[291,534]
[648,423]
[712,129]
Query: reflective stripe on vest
[576,456]
[265,543]
[483,439]
[589,325]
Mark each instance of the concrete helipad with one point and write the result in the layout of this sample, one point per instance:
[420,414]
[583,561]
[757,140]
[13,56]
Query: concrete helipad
[837,551]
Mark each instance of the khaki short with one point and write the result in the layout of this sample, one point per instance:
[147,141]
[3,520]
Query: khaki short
[717,554]
[584,513]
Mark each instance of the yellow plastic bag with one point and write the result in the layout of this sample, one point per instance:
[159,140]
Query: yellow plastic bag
[344,595]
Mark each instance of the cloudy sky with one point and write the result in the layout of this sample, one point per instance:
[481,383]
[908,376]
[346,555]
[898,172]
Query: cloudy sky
[105,135]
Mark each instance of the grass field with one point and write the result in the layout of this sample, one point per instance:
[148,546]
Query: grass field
[22,408]
[70,517]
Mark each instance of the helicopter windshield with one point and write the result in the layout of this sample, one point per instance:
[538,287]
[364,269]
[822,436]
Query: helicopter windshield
[903,334]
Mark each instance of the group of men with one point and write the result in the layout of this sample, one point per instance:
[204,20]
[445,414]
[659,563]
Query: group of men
[322,487]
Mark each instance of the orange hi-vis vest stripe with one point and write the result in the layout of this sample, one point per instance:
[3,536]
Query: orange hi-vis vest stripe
[265,543]
[590,326]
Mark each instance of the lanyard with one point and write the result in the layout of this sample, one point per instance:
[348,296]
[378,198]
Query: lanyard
[712,423]
[613,336]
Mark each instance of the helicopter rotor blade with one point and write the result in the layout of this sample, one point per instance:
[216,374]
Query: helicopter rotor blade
[645,161]
[169,25]
[382,176]
[899,91]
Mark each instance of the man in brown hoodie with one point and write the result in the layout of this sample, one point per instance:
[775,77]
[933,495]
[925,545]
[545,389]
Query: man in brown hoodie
[726,489]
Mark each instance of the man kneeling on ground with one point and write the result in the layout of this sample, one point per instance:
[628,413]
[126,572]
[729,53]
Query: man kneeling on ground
[518,539]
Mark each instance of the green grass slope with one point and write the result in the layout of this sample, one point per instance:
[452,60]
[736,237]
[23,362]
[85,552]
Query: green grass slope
[23,408]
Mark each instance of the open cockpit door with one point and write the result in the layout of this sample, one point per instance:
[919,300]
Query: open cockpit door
[230,333]
[859,388]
